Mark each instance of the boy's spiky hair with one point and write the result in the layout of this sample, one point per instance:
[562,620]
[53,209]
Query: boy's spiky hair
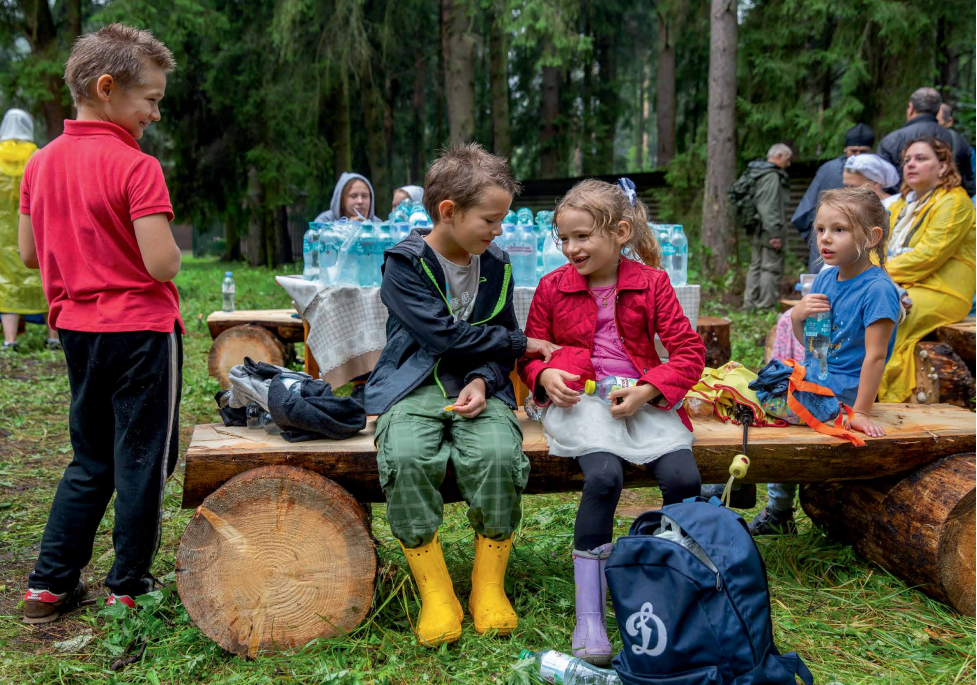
[117,50]
[461,174]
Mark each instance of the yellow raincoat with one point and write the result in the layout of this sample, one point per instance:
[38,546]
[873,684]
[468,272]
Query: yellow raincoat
[939,275]
[20,287]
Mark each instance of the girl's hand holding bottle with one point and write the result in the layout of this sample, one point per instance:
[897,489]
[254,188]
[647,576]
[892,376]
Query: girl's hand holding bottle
[554,382]
[815,303]
[626,402]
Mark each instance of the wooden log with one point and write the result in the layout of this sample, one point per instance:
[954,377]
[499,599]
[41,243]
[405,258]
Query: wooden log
[919,527]
[275,558]
[714,332]
[786,304]
[769,343]
[280,322]
[233,345]
[915,435]
[961,337]
[941,376]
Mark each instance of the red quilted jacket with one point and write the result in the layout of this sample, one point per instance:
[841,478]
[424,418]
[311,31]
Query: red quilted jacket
[564,312]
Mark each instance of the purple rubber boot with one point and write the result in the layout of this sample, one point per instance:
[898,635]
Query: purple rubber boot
[590,641]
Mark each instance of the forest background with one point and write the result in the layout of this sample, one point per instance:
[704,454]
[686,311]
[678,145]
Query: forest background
[272,99]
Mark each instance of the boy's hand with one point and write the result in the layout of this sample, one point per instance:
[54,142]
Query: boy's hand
[864,424]
[627,401]
[554,382]
[540,348]
[471,399]
[815,303]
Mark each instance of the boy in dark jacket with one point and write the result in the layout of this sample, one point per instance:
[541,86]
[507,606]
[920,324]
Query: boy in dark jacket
[442,389]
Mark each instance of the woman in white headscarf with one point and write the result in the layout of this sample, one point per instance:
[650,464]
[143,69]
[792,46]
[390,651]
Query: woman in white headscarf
[871,171]
[20,287]
[415,193]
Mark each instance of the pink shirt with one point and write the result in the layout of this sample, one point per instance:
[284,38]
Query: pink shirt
[608,356]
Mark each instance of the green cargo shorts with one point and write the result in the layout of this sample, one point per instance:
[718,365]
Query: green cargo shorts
[415,441]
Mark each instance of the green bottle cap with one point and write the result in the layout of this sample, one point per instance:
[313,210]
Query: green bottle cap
[590,387]
[525,654]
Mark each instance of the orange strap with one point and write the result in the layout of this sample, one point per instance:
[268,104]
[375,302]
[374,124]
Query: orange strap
[797,382]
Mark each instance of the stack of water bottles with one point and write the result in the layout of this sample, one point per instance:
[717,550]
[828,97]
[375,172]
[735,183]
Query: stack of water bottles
[348,252]
[533,252]
[675,252]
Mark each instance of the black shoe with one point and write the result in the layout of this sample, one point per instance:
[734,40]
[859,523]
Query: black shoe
[772,522]
[742,497]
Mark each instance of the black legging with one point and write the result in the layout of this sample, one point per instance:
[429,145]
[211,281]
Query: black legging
[603,473]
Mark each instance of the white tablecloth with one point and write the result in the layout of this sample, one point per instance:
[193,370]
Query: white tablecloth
[347,323]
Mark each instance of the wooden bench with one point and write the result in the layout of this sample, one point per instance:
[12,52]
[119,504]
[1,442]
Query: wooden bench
[280,550]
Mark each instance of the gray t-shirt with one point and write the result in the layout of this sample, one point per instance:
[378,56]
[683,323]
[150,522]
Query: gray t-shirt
[462,282]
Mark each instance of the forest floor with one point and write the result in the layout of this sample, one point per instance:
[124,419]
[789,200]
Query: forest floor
[850,621]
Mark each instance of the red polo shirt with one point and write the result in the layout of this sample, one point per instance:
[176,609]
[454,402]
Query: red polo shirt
[82,192]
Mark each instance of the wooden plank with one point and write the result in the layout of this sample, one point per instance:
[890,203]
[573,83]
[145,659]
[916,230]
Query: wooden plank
[915,435]
[280,322]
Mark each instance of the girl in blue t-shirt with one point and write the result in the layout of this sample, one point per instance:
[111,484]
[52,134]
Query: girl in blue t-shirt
[851,225]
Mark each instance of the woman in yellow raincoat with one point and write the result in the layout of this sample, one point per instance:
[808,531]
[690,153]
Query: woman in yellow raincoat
[931,253]
[20,287]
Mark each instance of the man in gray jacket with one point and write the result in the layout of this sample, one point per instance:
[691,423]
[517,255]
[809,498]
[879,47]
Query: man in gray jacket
[770,240]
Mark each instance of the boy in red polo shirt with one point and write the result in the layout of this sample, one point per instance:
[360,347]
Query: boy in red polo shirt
[95,216]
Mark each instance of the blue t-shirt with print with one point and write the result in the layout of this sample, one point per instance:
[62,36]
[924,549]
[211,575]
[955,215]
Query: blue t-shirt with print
[855,304]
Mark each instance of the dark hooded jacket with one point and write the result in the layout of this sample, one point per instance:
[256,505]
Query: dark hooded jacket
[426,344]
[770,197]
[894,145]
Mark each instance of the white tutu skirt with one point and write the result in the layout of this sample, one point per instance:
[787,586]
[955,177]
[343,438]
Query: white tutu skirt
[588,427]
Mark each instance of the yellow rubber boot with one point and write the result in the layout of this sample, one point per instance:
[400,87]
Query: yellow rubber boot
[489,606]
[441,612]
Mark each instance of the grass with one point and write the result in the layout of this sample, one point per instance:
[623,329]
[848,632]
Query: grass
[850,621]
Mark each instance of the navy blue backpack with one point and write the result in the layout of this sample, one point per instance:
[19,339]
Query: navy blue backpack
[684,623]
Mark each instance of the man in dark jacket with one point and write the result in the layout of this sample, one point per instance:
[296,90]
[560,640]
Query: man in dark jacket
[924,105]
[442,389]
[770,197]
[945,117]
[859,139]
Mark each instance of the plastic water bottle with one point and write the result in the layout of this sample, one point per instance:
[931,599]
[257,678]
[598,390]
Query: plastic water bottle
[555,667]
[253,414]
[270,426]
[365,255]
[521,246]
[663,232]
[348,263]
[419,217]
[330,244]
[385,240]
[310,253]
[679,274]
[817,339]
[605,386]
[553,257]
[227,292]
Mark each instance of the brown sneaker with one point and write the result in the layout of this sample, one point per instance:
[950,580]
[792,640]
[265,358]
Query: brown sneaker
[43,606]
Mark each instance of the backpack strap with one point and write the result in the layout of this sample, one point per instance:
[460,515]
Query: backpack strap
[800,668]
[797,382]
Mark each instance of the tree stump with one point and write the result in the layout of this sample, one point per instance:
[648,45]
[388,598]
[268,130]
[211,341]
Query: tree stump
[919,527]
[715,335]
[233,345]
[941,376]
[274,558]
[961,337]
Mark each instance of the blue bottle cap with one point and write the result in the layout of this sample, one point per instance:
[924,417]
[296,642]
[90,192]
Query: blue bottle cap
[227,274]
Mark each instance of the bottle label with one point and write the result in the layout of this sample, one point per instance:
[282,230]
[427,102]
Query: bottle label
[815,327]
[306,245]
[519,250]
[553,667]
[667,250]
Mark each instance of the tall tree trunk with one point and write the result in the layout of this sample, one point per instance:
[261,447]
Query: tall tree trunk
[501,126]
[255,241]
[391,95]
[607,108]
[284,235]
[459,71]
[587,114]
[718,229]
[416,173]
[549,153]
[73,17]
[665,95]
[376,143]
[439,79]
[645,111]
[42,34]
[342,146]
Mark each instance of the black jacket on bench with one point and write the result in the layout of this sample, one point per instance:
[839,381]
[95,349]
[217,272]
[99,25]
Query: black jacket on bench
[425,342]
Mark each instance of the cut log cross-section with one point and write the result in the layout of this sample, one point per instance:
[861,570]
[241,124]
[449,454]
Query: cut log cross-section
[961,337]
[919,527]
[714,332]
[275,558]
[233,345]
[941,376]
